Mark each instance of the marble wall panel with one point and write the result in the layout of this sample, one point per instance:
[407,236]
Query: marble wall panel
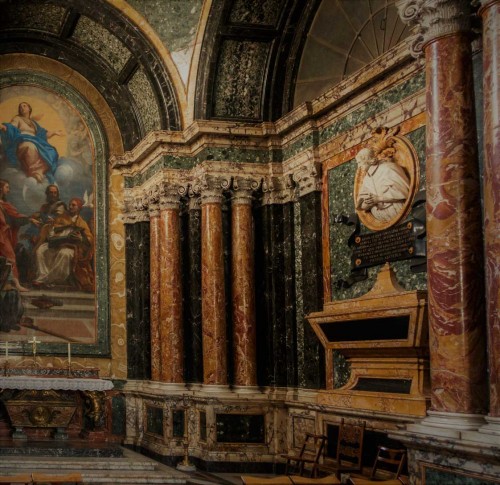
[238,91]
[299,294]
[94,36]
[138,314]
[263,12]
[341,201]
[48,18]
[143,94]
[312,374]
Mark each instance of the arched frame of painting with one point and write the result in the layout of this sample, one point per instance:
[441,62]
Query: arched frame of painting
[26,75]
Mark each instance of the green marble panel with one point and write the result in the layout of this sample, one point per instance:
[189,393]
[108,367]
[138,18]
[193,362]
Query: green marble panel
[341,201]
[382,102]
[264,12]
[43,17]
[439,477]
[154,420]
[341,369]
[94,36]
[175,21]
[144,96]
[238,90]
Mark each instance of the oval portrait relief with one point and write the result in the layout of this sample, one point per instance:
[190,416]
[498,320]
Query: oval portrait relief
[386,179]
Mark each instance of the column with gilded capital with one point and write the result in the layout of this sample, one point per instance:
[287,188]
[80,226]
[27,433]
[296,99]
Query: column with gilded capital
[136,220]
[155,282]
[490,14]
[243,283]
[171,324]
[455,281]
[213,298]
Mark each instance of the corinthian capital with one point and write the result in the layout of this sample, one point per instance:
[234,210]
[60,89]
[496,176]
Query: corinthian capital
[140,211]
[433,19]
[243,189]
[170,195]
[308,178]
[211,188]
[278,190]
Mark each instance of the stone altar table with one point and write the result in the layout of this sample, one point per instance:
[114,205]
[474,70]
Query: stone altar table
[50,402]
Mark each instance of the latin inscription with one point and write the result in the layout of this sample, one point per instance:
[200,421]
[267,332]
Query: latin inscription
[393,244]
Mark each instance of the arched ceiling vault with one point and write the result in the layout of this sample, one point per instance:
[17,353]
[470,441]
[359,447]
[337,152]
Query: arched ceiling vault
[100,42]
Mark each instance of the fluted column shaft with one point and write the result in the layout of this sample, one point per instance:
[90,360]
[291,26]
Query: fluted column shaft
[171,324]
[490,13]
[155,285]
[243,289]
[213,294]
[455,282]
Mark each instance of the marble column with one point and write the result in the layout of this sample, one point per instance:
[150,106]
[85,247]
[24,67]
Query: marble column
[212,282]
[490,14]
[171,323]
[136,220]
[455,279]
[243,283]
[155,285]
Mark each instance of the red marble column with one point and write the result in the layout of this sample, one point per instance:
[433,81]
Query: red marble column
[490,13]
[213,297]
[155,289]
[243,285]
[454,231]
[454,256]
[171,326]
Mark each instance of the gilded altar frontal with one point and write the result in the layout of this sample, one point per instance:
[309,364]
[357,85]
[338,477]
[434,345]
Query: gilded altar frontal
[242,240]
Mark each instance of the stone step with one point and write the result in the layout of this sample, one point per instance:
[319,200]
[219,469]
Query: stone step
[132,469]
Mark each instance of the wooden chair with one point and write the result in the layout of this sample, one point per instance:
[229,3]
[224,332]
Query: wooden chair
[388,460]
[309,454]
[39,478]
[21,478]
[349,450]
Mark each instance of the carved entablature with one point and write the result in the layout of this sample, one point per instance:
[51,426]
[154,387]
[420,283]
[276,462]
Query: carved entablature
[278,190]
[386,180]
[433,19]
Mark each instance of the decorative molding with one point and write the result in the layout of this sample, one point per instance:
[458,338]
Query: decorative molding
[308,178]
[433,19]
[154,201]
[278,189]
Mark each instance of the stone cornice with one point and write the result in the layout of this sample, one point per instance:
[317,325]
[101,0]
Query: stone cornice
[433,19]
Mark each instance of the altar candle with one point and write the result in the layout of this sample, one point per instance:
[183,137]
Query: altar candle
[69,353]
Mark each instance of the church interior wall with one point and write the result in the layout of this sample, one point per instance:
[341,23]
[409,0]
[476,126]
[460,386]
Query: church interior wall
[298,168]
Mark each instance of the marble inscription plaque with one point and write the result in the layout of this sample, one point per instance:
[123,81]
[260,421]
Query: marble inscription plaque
[394,244]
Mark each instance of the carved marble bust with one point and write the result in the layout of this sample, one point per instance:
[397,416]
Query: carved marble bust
[386,179]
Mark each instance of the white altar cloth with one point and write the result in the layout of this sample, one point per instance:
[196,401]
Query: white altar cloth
[56,383]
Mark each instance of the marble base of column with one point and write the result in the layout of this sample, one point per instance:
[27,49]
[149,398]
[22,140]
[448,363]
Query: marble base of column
[488,433]
[447,425]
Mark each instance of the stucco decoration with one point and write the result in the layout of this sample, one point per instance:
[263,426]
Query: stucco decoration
[386,179]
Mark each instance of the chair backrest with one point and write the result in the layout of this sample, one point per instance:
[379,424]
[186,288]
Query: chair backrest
[350,444]
[313,445]
[390,460]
